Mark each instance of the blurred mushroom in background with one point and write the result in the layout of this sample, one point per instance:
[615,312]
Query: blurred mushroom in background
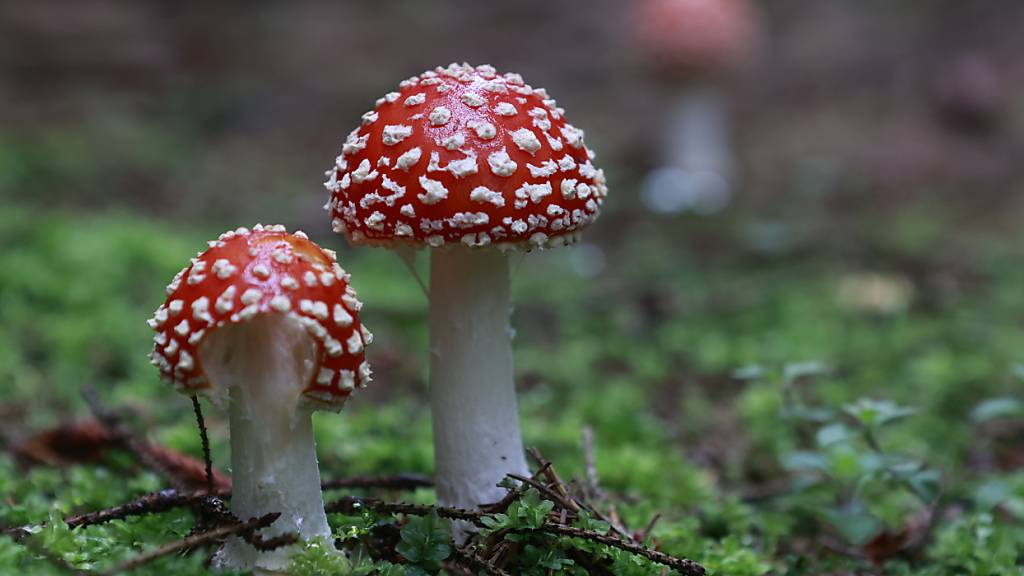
[693,45]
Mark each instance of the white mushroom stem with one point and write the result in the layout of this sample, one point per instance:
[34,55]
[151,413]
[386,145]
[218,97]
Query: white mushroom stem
[263,365]
[472,391]
[698,131]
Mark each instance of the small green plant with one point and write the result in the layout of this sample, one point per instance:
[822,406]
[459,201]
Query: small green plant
[867,484]
[426,542]
[529,512]
[318,557]
[844,475]
[978,545]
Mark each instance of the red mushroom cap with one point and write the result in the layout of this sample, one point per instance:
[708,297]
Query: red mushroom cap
[462,154]
[263,271]
[697,36]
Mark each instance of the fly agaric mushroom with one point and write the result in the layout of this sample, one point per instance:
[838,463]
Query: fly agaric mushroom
[472,164]
[266,322]
[694,43]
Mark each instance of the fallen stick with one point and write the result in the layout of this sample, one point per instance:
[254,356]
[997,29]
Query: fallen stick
[201,539]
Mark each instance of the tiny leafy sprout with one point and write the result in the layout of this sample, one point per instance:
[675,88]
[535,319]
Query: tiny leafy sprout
[802,370]
[318,557]
[787,374]
[358,527]
[426,541]
[529,512]
[545,558]
[869,484]
[585,522]
[873,414]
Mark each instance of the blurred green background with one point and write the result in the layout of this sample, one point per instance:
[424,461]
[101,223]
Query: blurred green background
[792,382]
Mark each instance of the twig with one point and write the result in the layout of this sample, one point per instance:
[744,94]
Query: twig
[126,438]
[172,498]
[549,470]
[353,504]
[393,482]
[201,423]
[643,534]
[148,504]
[590,465]
[548,492]
[408,257]
[683,565]
[511,496]
[265,544]
[478,563]
[191,542]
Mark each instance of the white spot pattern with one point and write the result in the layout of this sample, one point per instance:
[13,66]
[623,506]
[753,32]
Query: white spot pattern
[468,109]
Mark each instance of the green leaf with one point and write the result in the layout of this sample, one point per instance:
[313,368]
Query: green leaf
[927,484]
[426,541]
[855,524]
[751,372]
[874,413]
[805,461]
[994,408]
[834,434]
[799,370]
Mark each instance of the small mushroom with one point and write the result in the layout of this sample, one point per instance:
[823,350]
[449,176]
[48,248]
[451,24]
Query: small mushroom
[694,44]
[471,164]
[265,323]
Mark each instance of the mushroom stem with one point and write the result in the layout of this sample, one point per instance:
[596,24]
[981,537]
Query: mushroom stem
[264,365]
[698,136]
[476,424]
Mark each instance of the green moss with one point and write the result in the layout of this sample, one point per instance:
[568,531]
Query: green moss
[644,354]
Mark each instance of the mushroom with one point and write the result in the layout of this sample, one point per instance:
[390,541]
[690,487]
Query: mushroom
[472,164]
[694,43]
[266,323]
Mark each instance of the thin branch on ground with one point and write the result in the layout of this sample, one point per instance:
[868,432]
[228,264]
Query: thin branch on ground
[643,534]
[596,493]
[124,436]
[209,537]
[549,493]
[171,498]
[392,482]
[683,565]
[353,505]
[475,562]
[215,522]
[149,504]
[553,477]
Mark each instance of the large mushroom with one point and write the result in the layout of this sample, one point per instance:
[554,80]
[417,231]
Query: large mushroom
[266,323]
[694,44]
[472,164]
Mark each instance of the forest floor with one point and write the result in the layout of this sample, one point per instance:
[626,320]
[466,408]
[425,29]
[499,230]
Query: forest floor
[765,397]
